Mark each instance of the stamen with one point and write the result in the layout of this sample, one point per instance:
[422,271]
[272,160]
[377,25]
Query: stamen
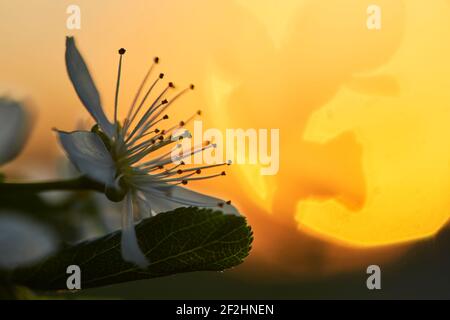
[184,123]
[147,123]
[138,93]
[167,158]
[207,166]
[147,146]
[135,151]
[174,168]
[188,177]
[145,133]
[150,121]
[119,72]
[132,116]
[143,122]
[177,179]
[164,159]
[144,151]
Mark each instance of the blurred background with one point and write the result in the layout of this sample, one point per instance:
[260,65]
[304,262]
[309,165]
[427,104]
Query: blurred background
[363,118]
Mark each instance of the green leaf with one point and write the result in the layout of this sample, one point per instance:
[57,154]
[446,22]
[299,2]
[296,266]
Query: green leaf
[184,240]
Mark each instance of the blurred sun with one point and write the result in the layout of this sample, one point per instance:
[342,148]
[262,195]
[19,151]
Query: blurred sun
[363,118]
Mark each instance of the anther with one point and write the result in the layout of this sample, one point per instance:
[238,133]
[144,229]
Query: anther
[184,182]
[182,163]
[164,101]
[192,87]
[199,112]
[122,51]
[182,123]
[166,117]
[156,59]
[198,171]
[228,202]
[223,173]
[161,137]
[180,171]
[157,130]
[171,85]
[160,167]
[161,75]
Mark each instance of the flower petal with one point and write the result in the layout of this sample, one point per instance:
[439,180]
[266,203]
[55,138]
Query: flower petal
[89,155]
[85,87]
[157,204]
[171,197]
[129,244]
[14,129]
[23,241]
[109,212]
[143,207]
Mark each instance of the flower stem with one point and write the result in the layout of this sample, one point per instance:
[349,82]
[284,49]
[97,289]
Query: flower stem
[80,183]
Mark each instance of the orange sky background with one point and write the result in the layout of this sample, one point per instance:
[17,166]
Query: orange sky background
[363,115]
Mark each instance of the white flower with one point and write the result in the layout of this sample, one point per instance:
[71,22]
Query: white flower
[116,154]
[14,129]
[22,240]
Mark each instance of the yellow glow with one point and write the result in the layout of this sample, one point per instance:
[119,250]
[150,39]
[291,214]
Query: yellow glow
[391,114]
[405,160]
